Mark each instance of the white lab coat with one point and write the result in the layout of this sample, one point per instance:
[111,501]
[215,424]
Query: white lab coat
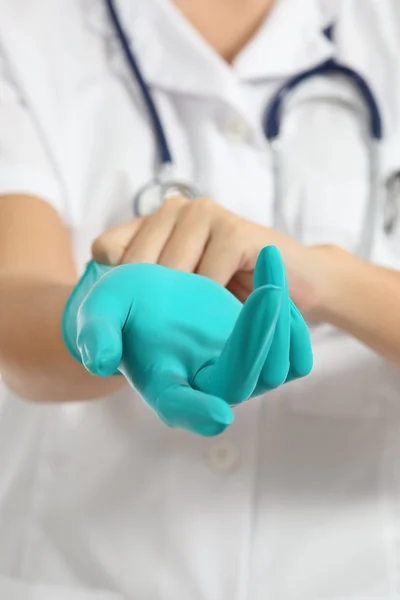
[300,498]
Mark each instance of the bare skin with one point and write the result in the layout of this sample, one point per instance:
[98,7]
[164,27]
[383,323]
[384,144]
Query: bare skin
[227,25]
[37,271]
[37,275]
[327,284]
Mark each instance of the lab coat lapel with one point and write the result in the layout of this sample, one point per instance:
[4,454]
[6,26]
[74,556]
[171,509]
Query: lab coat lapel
[174,57]
[372,48]
[290,41]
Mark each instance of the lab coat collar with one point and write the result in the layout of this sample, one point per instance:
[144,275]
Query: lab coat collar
[290,41]
[173,56]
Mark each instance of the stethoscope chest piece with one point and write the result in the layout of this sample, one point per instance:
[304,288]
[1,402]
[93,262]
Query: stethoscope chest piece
[151,196]
[166,183]
[148,199]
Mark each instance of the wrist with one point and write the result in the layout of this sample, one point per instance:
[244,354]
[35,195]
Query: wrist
[342,273]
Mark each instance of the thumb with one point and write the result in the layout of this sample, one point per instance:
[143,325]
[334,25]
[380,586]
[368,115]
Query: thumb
[110,247]
[100,321]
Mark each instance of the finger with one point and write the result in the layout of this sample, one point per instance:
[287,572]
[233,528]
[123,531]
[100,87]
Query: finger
[238,290]
[109,248]
[301,355]
[149,241]
[183,407]
[185,246]
[270,270]
[241,285]
[236,372]
[222,255]
[100,321]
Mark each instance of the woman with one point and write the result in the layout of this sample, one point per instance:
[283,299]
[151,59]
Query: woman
[299,497]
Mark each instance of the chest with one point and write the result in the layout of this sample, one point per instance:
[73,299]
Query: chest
[96,126]
[320,173]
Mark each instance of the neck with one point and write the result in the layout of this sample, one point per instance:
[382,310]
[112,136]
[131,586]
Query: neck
[227,25]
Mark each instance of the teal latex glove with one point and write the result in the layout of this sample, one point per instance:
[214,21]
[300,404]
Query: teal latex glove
[185,343]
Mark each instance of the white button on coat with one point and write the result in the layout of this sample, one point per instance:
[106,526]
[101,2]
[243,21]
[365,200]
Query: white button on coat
[299,500]
[235,127]
[222,456]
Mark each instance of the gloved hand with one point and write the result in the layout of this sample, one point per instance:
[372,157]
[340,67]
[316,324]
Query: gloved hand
[185,343]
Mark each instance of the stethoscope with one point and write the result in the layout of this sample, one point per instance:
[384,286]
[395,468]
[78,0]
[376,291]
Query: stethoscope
[164,183]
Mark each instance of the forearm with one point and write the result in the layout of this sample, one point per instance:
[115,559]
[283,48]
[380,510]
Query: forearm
[365,302]
[33,359]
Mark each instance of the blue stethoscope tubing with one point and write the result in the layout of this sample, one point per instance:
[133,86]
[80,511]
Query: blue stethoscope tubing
[165,155]
[272,122]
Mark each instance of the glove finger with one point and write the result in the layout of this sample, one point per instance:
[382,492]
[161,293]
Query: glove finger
[301,355]
[183,407]
[271,271]
[263,273]
[100,347]
[234,375]
[100,321]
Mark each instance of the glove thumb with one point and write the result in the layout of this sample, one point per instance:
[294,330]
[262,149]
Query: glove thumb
[100,322]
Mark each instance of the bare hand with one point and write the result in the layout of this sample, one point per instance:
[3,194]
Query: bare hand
[202,237]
